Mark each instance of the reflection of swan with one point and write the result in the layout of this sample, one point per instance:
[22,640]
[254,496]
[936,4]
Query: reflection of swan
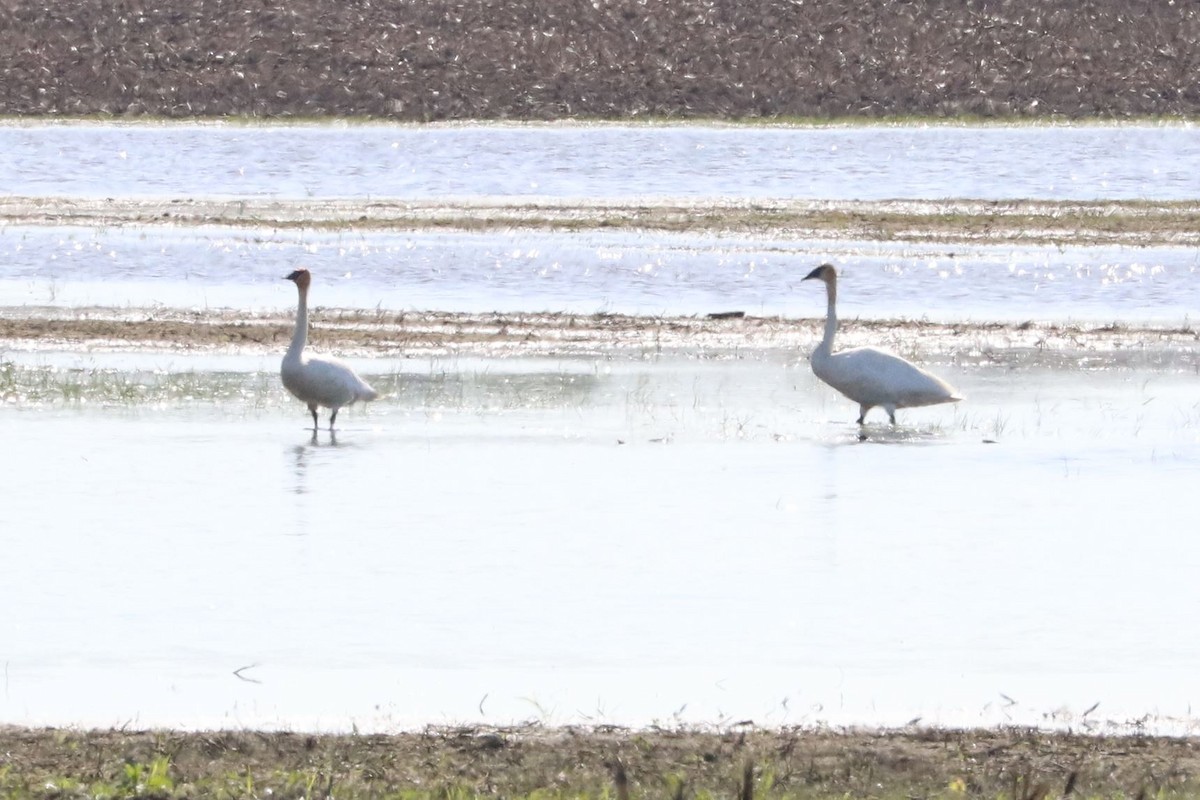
[304,454]
[869,376]
[318,380]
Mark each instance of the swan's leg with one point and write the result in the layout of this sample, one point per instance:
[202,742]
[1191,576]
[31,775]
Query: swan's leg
[312,409]
[891,413]
[862,414]
[332,417]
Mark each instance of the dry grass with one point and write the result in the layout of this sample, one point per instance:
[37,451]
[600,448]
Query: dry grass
[552,59]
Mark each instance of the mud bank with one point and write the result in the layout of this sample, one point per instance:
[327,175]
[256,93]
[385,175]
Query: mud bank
[721,334]
[1015,222]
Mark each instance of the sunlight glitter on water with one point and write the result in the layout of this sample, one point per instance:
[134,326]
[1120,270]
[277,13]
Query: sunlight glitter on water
[587,272]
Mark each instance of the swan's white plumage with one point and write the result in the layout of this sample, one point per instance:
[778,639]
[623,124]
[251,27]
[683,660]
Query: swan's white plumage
[869,376]
[319,381]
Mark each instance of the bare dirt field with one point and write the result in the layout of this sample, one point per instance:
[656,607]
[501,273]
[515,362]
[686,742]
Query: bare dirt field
[608,59]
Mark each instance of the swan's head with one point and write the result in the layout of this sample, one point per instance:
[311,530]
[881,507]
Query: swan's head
[300,277]
[825,272]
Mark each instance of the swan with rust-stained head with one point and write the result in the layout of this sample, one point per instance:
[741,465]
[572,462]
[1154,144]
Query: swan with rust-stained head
[318,380]
[870,376]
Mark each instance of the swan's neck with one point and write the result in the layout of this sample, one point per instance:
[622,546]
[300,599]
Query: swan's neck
[300,335]
[825,348]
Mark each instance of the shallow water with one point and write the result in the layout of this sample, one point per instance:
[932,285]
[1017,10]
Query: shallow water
[601,540]
[589,272]
[1135,162]
[617,539]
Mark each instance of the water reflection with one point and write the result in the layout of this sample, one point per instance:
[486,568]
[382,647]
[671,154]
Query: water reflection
[306,454]
[886,434]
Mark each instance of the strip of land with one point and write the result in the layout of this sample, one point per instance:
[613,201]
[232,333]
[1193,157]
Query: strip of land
[722,334]
[740,761]
[1133,223]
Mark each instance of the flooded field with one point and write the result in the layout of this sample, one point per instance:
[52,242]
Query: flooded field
[593,540]
[578,499]
[883,162]
[632,272]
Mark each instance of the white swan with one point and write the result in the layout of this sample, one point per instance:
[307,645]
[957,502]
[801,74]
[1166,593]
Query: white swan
[869,376]
[318,380]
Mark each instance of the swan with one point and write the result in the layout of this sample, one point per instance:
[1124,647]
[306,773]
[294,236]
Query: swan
[318,380]
[870,376]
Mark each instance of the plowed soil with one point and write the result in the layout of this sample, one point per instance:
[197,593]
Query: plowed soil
[599,59]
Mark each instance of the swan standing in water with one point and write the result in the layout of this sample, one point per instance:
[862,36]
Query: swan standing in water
[869,376]
[318,380]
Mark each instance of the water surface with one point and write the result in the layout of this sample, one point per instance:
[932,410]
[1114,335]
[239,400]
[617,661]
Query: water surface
[592,271]
[601,541]
[622,540]
[1131,162]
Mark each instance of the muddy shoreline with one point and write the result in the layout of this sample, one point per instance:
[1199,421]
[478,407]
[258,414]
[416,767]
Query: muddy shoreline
[722,334]
[982,222]
[597,762]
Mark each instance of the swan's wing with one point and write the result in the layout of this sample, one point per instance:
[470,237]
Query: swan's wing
[871,376]
[331,382]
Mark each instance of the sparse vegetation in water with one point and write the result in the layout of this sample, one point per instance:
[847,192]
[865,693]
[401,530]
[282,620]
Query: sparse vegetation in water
[24,385]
